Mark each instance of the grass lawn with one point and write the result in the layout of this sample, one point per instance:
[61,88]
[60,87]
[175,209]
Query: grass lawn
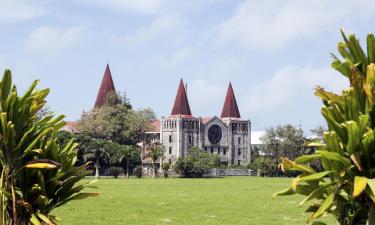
[232,200]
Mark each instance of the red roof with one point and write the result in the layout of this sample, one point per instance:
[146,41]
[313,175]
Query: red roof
[181,103]
[205,120]
[230,108]
[106,87]
[155,126]
[71,126]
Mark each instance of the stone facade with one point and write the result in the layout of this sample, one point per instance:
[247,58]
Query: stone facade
[228,136]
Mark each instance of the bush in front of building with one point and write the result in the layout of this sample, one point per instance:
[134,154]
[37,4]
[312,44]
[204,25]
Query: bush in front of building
[196,163]
[138,171]
[116,171]
[166,167]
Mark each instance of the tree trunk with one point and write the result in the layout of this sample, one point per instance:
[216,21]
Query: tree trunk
[153,169]
[97,169]
[127,169]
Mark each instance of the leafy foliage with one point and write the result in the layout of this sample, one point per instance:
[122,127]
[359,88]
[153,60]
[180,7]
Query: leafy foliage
[138,171]
[166,167]
[318,133]
[346,186]
[156,151]
[116,121]
[265,165]
[286,140]
[116,171]
[280,141]
[196,163]
[128,156]
[97,152]
[37,171]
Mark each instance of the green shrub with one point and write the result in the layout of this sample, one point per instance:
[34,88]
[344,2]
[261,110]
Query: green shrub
[196,163]
[116,171]
[166,167]
[346,186]
[138,171]
[37,171]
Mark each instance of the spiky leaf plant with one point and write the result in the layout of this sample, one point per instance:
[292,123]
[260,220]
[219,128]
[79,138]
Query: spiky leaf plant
[37,174]
[346,186]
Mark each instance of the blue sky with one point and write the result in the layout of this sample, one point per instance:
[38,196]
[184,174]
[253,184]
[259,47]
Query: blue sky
[274,52]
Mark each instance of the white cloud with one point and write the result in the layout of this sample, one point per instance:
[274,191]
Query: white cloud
[179,57]
[141,6]
[160,26]
[273,24]
[291,86]
[13,11]
[152,6]
[50,41]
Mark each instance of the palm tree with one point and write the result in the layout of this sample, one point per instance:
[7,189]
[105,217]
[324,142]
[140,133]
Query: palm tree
[156,151]
[127,153]
[97,153]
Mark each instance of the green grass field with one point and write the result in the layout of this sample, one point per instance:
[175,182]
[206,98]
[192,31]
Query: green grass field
[234,200]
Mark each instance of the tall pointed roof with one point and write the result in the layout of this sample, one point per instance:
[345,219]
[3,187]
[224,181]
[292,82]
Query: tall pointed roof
[181,103]
[106,87]
[230,108]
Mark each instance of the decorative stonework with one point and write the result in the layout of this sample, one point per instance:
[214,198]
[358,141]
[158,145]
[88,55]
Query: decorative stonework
[228,136]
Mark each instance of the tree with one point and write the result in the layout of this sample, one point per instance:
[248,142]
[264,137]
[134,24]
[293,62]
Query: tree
[126,154]
[116,171]
[166,167]
[43,112]
[265,165]
[97,152]
[64,137]
[148,114]
[255,152]
[346,186]
[138,171]
[318,133]
[37,172]
[282,141]
[156,151]
[196,163]
[115,121]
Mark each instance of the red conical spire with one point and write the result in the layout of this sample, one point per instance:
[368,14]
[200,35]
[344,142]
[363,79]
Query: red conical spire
[106,87]
[181,103]
[230,108]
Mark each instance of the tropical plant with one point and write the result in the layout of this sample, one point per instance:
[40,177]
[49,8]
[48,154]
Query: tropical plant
[126,154]
[116,171]
[166,167]
[265,165]
[37,172]
[196,163]
[155,152]
[97,152]
[138,171]
[346,186]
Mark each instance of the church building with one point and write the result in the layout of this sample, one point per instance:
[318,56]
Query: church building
[228,136]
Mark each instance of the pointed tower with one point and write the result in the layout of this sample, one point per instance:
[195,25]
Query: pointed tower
[181,103]
[106,87]
[230,108]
